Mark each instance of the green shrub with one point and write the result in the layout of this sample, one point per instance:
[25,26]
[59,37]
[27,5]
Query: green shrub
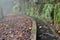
[32,10]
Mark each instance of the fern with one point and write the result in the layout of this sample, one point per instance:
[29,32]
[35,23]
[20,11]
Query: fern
[57,13]
[46,11]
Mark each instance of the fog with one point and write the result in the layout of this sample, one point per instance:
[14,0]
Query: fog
[6,6]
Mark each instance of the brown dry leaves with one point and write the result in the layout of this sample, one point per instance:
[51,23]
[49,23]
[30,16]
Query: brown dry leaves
[16,26]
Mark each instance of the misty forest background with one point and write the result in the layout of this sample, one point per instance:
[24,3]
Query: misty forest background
[48,10]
